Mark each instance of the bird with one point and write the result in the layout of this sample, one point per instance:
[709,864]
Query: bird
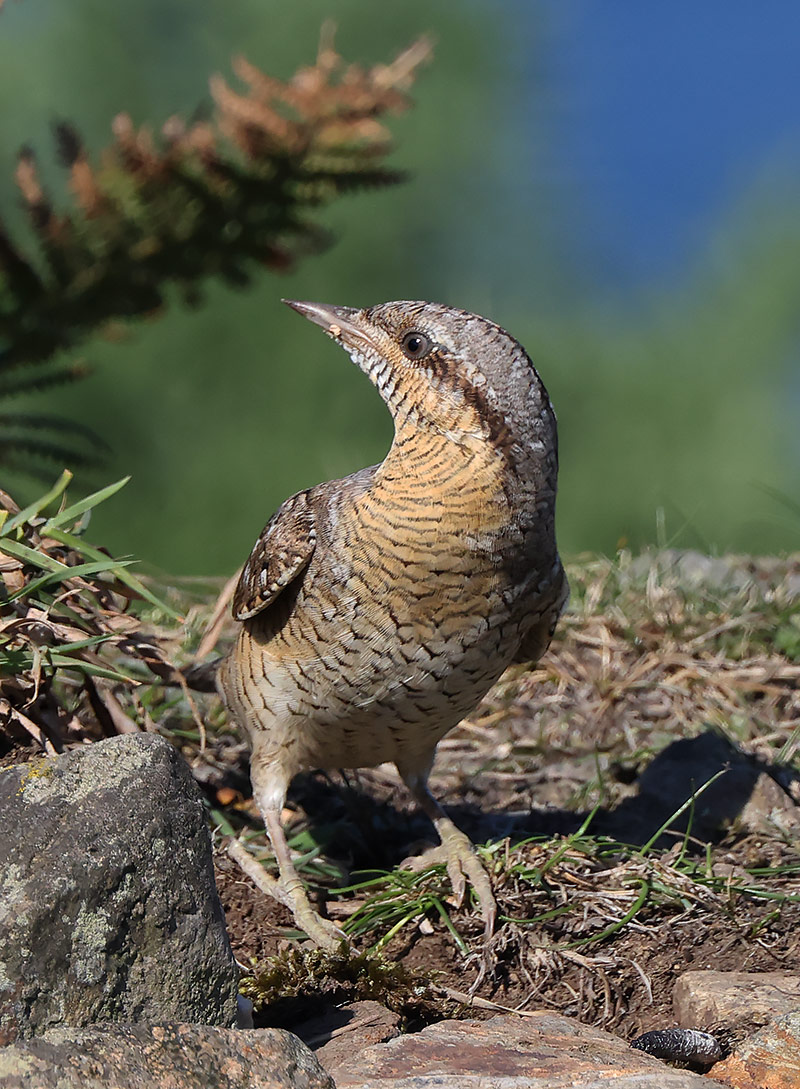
[376,611]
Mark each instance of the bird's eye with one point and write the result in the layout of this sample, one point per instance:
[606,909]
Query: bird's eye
[415,345]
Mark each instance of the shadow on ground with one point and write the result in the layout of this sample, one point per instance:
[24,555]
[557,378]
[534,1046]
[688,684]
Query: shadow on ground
[701,784]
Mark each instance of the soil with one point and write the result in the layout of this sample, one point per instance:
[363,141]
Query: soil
[623,983]
[665,716]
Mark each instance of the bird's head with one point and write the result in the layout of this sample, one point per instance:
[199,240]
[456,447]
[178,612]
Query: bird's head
[445,369]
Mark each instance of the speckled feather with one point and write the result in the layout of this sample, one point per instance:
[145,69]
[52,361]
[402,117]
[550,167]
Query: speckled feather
[378,610]
[280,554]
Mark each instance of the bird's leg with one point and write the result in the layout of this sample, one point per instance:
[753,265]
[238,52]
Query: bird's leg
[321,931]
[288,889]
[462,860]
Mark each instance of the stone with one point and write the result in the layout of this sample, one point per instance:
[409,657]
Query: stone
[341,1032]
[684,767]
[731,999]
[770,810]
[769,1059]
[108,907]
[170,1056]
[244,1012]
[540,1051]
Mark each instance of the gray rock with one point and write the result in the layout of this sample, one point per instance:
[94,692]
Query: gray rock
[161,1057]
[770,810]
[108,907]
[676,774]
[691,568]
[684,767]
[540,1051]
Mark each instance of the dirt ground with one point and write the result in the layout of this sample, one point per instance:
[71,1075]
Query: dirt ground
[659,679]
[638,792]
[623,983]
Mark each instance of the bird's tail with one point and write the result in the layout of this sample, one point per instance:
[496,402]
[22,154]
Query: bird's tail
[202,677]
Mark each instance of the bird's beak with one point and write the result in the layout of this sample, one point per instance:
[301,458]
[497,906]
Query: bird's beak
[339,322]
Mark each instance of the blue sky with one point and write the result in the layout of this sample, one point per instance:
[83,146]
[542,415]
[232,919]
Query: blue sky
[669,112]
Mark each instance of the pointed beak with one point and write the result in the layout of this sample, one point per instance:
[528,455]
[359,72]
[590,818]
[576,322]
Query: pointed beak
[337,321]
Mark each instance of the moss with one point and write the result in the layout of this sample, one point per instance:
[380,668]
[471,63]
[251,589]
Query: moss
[297,981]
[91,932]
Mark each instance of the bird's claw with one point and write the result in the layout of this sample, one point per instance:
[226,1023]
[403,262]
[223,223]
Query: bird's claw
[290,893]
[463,867]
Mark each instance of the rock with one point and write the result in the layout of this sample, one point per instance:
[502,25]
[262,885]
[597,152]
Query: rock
[244,1012]
[168,1056]
[731,999]
[769,809]
[681,770]
[108,907]
[691,568]
[770,1059]
[540,1051]
[340,1033]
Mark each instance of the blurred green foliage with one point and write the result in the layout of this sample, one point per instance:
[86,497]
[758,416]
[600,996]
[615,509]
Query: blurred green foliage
[222,198]
[674,414]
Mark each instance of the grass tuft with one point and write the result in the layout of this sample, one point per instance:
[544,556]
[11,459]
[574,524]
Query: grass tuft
[73,648]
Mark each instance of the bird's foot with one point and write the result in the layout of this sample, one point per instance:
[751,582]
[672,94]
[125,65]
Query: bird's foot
[322,932]
[431,856]
[463,865]
[289,891]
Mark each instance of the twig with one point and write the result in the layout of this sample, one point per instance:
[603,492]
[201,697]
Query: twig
[217,618]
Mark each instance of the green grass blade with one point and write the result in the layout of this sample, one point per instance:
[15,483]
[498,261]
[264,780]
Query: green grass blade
[65,661]
[124,576]
[37,505]
[398,926]
[82,644]
[32,556]
[542,917]
[222,823]
[679,812]
[68,572]
[570,841]
[75,510]
[633,910]
[448,922]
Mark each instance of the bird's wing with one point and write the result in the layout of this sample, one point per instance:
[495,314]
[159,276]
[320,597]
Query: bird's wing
[538,637]
[280,554]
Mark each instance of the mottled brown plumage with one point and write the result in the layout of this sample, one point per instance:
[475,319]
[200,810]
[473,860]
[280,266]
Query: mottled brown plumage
[379,609]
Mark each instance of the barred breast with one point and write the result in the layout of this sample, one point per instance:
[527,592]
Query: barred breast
[411,606]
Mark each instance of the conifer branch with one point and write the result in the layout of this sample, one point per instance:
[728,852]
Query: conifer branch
[223,197]
[220,198]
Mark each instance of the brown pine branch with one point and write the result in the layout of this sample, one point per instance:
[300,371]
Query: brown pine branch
[221,198]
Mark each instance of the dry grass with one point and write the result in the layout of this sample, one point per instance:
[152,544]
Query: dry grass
[560,768]
[69,628]
[654,649]
[651,649]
